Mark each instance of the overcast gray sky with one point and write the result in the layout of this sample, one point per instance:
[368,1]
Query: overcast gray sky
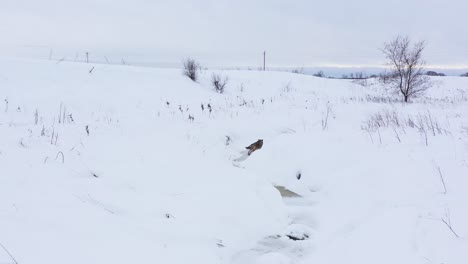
[234,33]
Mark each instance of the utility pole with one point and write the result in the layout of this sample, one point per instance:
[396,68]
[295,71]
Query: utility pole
[87,57]
[264,56]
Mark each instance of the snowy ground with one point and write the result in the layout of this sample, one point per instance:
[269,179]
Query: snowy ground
[106,167]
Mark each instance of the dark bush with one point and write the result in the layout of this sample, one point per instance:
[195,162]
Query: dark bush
[191,69]
[219,82]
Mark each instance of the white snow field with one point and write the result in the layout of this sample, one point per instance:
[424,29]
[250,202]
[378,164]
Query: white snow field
[106,167]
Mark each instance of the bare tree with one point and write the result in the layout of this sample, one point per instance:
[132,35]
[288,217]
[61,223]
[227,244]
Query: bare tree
[407,67]
[319,74]
[219,82]
[191,68]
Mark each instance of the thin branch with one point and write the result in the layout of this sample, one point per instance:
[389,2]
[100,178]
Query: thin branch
[442,179]
[396,134]
[9,254]
[63,156]
[449,226]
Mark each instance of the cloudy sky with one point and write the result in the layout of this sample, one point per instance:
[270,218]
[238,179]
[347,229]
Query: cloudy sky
[233,33]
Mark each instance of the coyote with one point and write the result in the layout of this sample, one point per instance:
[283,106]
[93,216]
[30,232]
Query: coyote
[254,146]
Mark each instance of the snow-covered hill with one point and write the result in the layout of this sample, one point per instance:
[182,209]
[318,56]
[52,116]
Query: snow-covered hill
[101,164]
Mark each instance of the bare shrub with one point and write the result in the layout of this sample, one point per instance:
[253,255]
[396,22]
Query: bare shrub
[383,119]
[388,119]
[424,123]
[288,88]
[219,82]
[407,74]
[191,69]
[298,70]
[362,82]
[386,77]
